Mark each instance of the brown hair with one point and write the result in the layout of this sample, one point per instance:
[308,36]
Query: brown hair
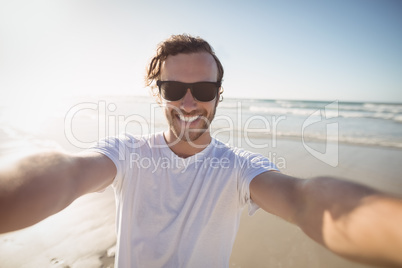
[174,45]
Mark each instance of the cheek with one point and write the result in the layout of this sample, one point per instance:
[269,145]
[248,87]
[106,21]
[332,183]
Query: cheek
[169,108]
[216,102]
[210,106]
[166,111]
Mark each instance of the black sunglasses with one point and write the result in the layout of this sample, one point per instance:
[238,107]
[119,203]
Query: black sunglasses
[201,91]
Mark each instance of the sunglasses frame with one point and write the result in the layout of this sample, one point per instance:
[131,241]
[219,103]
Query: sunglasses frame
[190,86]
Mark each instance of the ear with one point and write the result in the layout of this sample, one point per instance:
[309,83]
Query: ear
[220,96]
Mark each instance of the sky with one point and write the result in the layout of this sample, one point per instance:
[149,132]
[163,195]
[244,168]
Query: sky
[347,50]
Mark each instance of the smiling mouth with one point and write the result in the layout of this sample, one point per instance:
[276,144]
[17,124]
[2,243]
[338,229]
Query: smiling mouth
[188,119]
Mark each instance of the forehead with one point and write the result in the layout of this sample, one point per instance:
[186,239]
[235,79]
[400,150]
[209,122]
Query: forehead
[190,68]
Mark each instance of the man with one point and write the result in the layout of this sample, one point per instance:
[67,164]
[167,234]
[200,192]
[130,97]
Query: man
[186,213]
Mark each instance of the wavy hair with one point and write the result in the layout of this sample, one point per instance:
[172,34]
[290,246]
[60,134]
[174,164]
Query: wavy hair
[174,45]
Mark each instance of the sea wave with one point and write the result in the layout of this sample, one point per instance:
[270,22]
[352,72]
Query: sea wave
[317,137]
[360,110]
[356,106]
[397,117]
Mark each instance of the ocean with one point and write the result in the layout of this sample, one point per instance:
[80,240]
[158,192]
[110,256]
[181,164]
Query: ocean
[363,123]
[75,123]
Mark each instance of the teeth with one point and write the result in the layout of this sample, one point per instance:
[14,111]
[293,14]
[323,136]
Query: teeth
[188,119]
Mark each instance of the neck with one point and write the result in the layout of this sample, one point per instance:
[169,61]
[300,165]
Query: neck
[186,149]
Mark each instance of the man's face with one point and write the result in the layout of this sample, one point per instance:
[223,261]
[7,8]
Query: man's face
[188,118]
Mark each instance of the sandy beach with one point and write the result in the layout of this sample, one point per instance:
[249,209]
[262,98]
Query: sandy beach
[265,240]
[83,235]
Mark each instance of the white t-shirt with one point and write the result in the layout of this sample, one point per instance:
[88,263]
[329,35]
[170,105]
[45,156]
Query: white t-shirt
[175,212]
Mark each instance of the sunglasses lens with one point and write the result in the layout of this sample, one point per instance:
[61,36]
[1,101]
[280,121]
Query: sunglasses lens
[201,91]
[172,91]
[204,91]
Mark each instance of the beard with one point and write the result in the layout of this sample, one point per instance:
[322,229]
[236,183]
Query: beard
[186,133]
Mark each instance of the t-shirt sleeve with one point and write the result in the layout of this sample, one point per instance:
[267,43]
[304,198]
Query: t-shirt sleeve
[118,150]
[252,165]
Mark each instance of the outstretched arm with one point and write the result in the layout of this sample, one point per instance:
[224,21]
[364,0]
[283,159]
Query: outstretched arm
[41,185]
[354,221]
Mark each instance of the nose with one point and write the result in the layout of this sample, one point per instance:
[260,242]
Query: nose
[188,103]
